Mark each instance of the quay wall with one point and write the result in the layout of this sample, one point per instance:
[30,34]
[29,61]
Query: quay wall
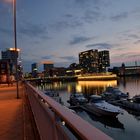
[97,77]
[75,78]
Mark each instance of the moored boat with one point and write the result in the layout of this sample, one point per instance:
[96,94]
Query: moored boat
[113,93]
[53,94]
[100,107]
[130,104]
[136,99]
[77,99]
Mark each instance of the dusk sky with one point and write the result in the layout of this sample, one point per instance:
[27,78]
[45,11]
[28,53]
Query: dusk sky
[58,30]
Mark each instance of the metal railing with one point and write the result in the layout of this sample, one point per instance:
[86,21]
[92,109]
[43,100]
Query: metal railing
[56,122]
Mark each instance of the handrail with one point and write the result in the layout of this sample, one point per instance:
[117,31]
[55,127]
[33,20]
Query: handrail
[81,127]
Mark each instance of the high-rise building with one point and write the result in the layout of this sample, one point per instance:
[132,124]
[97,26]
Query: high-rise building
[88,61]
[34,69]
[48,68]
[104,60]
[11,55]
[93,61]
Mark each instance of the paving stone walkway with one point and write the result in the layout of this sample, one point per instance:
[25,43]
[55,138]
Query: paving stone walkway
[15,116]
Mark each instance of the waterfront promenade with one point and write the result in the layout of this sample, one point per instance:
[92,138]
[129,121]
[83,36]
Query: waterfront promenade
[16,121]
[53,121]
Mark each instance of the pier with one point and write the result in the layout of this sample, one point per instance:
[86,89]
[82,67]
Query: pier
[16,119]
[86,77]
[36,116]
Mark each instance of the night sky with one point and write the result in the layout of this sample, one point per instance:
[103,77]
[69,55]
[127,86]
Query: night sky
[58,30]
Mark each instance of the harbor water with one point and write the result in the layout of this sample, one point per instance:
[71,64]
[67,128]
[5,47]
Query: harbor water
[125,126]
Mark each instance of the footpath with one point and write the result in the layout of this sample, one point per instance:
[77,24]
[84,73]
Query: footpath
[16,119]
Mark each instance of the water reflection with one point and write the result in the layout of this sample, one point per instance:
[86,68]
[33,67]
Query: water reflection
[95,87]
[135,114]
[108,122]
[130,84]
[129,121]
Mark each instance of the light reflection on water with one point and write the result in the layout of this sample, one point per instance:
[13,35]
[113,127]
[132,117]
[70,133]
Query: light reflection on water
[124,127]
[130,84]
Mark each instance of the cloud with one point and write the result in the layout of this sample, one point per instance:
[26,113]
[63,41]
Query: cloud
[80,39]
[4,44]
[47,57]
[92,4]
[137,42]
[119,48]
[4,9]
[100,46]
[69,58]
[67,62]
[88,14]
[4,1]
[119,17]
[127,55]
[133,55]
[6,40]
[33,30]
[7,1]
[90,11]
[91,16]
[129,35]
[134,36]
[6,31]
[88,2]
[68,16]
[81,1]
[62,64]
[66,23]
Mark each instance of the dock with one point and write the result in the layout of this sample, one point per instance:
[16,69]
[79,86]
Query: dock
[35,116]
[16,120]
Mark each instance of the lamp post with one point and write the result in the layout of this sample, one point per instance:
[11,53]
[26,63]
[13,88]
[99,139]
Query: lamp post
[15,45]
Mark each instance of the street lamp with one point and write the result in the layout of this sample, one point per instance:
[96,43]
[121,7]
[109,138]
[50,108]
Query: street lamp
[15,45]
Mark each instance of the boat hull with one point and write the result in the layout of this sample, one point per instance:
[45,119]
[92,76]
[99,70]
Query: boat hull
[100,112]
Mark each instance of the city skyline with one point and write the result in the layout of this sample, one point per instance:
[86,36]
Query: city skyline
[59,30]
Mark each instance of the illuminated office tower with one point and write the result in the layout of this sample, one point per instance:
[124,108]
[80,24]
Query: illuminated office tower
[94,61]
[104,60]
[88,61]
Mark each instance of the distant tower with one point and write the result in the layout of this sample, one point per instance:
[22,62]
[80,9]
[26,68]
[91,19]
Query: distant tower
[104,60]
[48,68]
[34,69]
[11,55]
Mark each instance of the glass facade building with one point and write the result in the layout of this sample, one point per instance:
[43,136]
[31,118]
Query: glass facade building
[88,61]
[94,61]
[104,60]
